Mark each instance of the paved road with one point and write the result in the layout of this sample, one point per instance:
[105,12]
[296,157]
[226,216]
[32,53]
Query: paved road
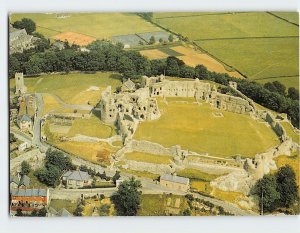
[37,121]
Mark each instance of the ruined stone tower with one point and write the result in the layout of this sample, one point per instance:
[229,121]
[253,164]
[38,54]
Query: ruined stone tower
[20,87]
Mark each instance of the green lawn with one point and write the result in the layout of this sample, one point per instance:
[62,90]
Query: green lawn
[229,25]
[73,88]
[258,58]
[156,205]
[58,204]
[141,174]
[290,131]
[292,81]
[98,25]
[290,16]
[196,174]
[92,127]
[148,158]
[195,128]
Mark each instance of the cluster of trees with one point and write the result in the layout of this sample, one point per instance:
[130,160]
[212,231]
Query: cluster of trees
[25,23]
[277,190]
[55,164]
[279,88]
[127,199]
[104,56]
[35,213]
[25,168]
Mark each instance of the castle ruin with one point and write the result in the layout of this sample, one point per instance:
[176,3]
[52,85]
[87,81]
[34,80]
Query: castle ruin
[20,86]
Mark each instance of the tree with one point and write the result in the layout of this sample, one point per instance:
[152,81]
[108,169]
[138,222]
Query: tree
[266,191]
[128,197]
[28,24]
[171,38]
[12,138]
[152,40]
[275,87]
[286,186]
[19,213]
[25,168]
[293,93]
[104,210]
[161,40]
[116,177]
[201,72]
[42,212]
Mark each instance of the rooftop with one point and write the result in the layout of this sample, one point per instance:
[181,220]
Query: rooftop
[77,175]
[175,179]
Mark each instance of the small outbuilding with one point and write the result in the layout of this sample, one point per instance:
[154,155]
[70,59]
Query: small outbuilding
[175,182]
[24,122]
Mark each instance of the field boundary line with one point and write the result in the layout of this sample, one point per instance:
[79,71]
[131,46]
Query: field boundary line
[279,17]
[187,16]
[141,38]
[281,76]
[245,38]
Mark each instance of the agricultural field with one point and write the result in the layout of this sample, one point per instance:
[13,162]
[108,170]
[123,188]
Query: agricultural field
[219,136]
[289,81]
[148,158]
[258,58]
[161,205]
[73,88]
[97,152]
[260,45]
[101,25]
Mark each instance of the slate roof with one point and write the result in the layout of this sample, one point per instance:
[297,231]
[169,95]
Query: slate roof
[129,85]
[175,179]
[14,179]
[29,192]
[25,180]
[77,175]
[24,117]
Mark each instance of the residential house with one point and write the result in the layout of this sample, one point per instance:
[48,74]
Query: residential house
[76,179]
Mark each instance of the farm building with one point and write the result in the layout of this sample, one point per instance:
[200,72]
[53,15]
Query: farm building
[24,122]
[76,179]
[175,182]
[28,199]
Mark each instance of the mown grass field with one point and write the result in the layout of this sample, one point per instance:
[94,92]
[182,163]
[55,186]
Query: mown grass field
[195,128]
[290,131]
[72,88]
[232,39]
[258,58]
[157,205]
[97,25]
[92,127]
[141,174]
[292,81]
[97,152]
[148,158]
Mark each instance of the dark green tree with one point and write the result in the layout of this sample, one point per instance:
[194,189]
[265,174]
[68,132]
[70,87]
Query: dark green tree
[293,93]
[25,168]
[128,197]
[266,191]
[286,186]
[116,176]
[171,38]
[26,23]
[201,72]
[152,40]
[12,138]
[42,212]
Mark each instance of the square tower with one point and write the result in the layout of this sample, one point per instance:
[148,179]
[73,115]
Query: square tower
[20,87]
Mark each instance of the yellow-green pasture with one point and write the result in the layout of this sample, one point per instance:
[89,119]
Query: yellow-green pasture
[195,128]
[97,25]
[72,88]
[148,158]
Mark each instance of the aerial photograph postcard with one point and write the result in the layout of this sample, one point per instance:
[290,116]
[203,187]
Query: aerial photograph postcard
[153,114]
